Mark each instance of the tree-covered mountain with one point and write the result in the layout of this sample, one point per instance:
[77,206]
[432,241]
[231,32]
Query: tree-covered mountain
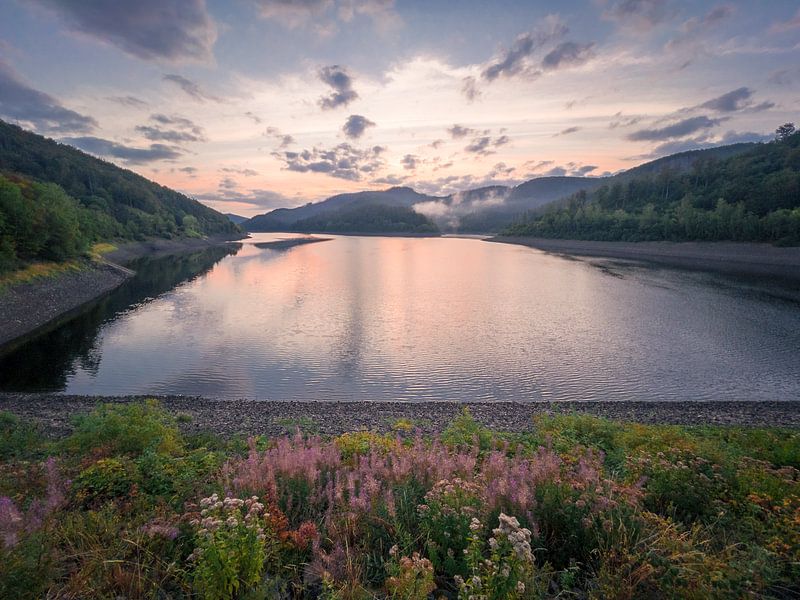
[482,209]
[141,207]
[488,209]
[746,193]
[56,200]
[283,219]
[368,218]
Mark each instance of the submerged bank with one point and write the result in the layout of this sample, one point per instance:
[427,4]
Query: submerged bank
[36,304]
[723,257]
[54,413]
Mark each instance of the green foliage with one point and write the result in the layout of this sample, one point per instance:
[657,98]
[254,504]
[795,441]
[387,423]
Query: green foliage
[231,547]
[465,431]
[358,443]
[126,429]
[107,479]
[509,565]
[27,570]
[753,196]
[369,218]
[80,200]
[604,510]
[18,439]
[446,517]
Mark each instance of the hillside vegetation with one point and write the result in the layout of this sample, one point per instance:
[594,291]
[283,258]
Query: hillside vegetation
[370,218]
[576,507]
[56,200]
[752,196]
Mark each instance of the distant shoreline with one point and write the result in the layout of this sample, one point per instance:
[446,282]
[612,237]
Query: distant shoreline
[738,258]
[27,308]
[253,417]
[357,234]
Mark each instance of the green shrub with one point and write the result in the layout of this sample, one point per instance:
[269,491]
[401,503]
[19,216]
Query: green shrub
[17,439]
[126,429]
[107,479]
[465,431]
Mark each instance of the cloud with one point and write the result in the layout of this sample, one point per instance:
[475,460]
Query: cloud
[245,172]
[470,89]
[482,144]
[342,84]
[785,76]
[703,142]
[678,129]
[190,171]
[641,15]
[294,13]
[35,109]
[410,162]
[356,125]
[458,131]
[252,200]
[712,18]
[129,101]
[622,121]
[285,140]
[342,161]
[179,130]
[567,131]
[390,180]
[228,183]
[788,25]
[190,88]
[436,144]
[515,60]
[250,115]
[479,145]
[548,168]
[568,54]
[101,147]
[736,100]
[161,30]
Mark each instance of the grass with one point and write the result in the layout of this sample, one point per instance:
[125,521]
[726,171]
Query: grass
[38,270]
[100,248]
[576,507]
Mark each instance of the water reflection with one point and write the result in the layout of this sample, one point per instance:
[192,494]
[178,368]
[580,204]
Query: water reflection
[415,319]
[47,361]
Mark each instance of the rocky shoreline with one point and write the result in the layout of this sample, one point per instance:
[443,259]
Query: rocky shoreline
[736,258]
[26,308]
[53,412]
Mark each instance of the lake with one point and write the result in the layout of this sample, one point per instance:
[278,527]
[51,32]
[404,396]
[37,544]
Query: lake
[386,318]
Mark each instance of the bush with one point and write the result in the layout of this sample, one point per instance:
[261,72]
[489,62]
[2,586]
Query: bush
[126,429]
[17,439]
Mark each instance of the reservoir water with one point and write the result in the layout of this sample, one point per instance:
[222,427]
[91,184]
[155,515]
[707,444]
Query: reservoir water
[382,318]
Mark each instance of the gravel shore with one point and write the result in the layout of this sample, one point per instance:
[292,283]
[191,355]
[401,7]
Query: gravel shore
[43,303]
[249,417]
[27,307]
[722,257]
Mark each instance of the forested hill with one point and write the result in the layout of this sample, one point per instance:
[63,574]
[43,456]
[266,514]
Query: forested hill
[751,196]
[368,218]
[56,200]
[142,207]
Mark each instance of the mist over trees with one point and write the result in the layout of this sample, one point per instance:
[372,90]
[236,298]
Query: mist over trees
[754,196]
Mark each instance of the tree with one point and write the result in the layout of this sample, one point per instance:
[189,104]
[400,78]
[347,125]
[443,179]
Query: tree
[784,131]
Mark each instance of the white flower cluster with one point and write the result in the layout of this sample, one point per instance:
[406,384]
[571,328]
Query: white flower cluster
[518,537]
[216,512]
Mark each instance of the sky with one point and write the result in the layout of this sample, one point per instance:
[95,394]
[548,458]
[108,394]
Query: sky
[250,105]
